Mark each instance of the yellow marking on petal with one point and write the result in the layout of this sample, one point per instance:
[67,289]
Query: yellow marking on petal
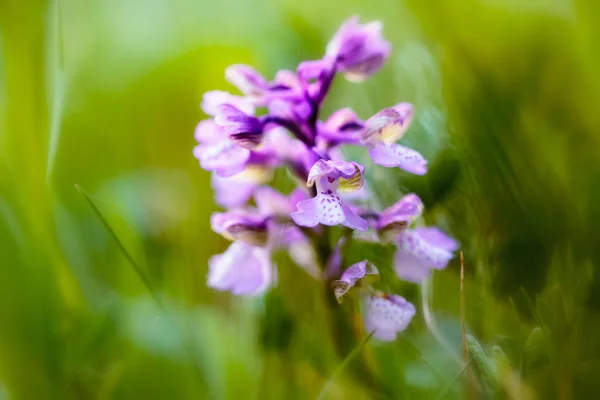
[393,132]
[353,183]
[255,174]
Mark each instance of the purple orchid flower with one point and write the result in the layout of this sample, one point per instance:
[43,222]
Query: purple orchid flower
[242,150]
[421,249]
[380,133]
[387,314]
[359,50]
[398,217]
[326,207]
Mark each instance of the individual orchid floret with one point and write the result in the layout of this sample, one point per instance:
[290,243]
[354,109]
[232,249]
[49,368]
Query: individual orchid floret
[327,207]
[421,249]
[247,80]
[211,101]
[237,225]
[355,274]
[216,152]
[383,130]
[242,269]
[244,129]
[358,50]
[398,217]
[386,315]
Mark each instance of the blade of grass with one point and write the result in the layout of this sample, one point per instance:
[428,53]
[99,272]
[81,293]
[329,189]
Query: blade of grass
[56,77]
[190,348]
[134,265]
[340,368]
[449,385]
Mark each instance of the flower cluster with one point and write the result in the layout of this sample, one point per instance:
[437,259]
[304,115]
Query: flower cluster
[242,148]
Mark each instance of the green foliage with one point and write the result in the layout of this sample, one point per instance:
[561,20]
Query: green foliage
[105,95]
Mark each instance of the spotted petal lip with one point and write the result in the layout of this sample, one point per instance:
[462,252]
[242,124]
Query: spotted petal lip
[387,314]
[420,250]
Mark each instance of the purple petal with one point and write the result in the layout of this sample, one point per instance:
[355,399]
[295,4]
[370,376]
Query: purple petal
[409,267]
[234,225]
[241,269]
[246,130]
[359,50]
[224,157]
[232,192]
[246,79]
[207,131]
[211,101]
[414,255]
[387,314]
[399,216]
[435,237]
[395,155]
[352,275]
[327,209]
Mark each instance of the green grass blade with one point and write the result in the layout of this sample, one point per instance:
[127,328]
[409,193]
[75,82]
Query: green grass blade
[340,368]
[138,270]
[449,385]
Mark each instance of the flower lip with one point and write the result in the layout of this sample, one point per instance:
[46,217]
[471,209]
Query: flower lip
[387,314]
[242,269]
[421,249]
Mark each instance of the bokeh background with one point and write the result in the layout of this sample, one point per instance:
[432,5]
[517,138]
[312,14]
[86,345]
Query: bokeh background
[105,94]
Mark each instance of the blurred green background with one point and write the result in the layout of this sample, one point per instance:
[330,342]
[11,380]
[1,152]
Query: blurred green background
[105,94]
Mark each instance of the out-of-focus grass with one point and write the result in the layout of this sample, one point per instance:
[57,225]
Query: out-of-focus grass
[105,94]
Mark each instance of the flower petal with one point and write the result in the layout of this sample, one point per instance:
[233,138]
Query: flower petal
[414,256]
[233,225]
[435,237]
[398,217]
[246,130]
[246,79]
[352,275]
[395,155]
[327,209]
[241,269]
[211,101]
[387,314]
[224,157]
